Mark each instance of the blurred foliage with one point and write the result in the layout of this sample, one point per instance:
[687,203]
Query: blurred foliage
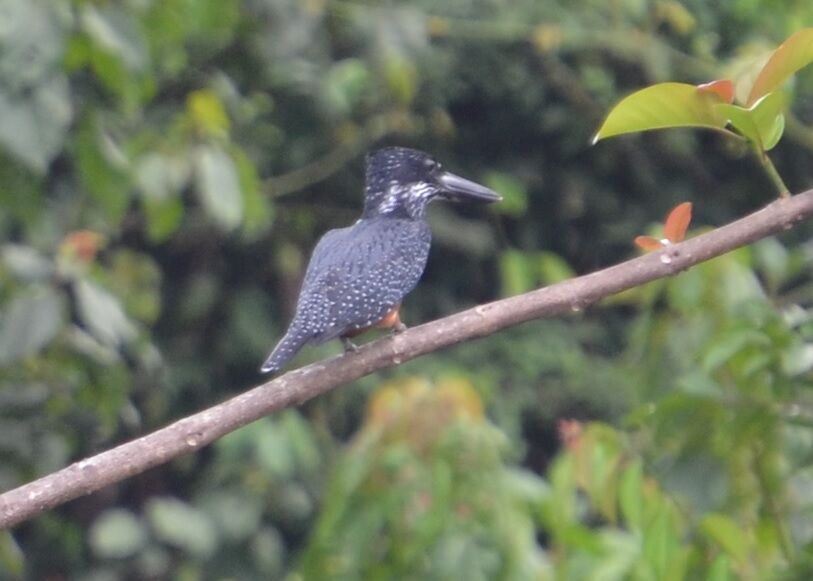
[165,168]
[422,493]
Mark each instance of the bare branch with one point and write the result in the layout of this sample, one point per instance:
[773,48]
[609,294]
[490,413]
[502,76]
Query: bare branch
[200,429]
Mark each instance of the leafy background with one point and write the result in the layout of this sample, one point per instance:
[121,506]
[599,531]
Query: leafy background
[166,167]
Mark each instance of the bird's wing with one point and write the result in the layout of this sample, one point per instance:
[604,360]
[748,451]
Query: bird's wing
[325,252]
[357,275]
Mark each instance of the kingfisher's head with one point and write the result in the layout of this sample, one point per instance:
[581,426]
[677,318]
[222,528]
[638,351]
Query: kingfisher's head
[400,182]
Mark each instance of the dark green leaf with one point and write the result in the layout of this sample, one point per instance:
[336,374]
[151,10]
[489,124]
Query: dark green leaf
[728,534]
[720,569]
[512,190]
[102,313]
[117,534]
[12,559]
[29,323]
[164,216]
[33,126]
[25,263]
[553,268]
[182,526]
[631,495]
[160,177]
[116,31]
[218,186]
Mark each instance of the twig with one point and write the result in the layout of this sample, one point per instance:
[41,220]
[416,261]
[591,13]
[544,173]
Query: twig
[193,432]
[325,166]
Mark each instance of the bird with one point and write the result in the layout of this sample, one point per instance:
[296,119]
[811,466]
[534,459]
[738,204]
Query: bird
[358,276]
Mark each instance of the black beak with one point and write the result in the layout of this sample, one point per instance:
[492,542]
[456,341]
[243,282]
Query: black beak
[459,189]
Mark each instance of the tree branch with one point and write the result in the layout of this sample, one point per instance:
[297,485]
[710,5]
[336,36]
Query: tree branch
[295,387]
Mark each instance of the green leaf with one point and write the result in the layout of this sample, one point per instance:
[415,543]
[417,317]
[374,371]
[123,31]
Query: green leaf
[116,31]
[268,552]
[34,125]
[35,100]
[160,179]
[101,166]
[102,313]
[792,55]
[658,539]
[513,191]
[740,118]
[301,440]
[182,526]
[728,345]
[207,112]
[218,186]
[344,84]
[117,52]
[630,495]
[769,118]
[29,323]
[31,43]
[726,533]
[620,552]
[25,263]
[12,559]
[117,534]
[257,210]
[562,506]
[553,268]
[273,450]
[720,569]
[516,274]
[527,485]
[797,359]
[661,106]
[762,124]
[236,514]
[773,261]
[163,217]
[401,78]
[161,176]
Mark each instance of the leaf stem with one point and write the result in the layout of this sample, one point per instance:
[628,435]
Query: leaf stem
[772,172]
[772,504]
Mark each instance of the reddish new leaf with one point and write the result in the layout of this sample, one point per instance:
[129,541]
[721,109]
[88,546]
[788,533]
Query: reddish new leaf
[677,222]
[674,229]
[82,244]
[724,89]
[793,54]
[570,433]
[648,243]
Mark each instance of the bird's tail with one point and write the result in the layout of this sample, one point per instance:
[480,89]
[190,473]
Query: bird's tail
[285,350]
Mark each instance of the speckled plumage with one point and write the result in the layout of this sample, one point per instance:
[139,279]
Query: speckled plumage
[357,275]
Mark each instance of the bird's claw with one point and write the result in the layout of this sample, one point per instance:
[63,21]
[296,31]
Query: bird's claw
[399,328]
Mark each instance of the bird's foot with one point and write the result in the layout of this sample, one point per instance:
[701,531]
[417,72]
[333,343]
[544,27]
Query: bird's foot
[349,346]
[399,328]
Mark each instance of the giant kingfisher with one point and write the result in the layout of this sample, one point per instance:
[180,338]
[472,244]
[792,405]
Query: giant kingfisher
[358,275]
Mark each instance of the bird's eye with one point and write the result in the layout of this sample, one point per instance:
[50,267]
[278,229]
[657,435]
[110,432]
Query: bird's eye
[431,164]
